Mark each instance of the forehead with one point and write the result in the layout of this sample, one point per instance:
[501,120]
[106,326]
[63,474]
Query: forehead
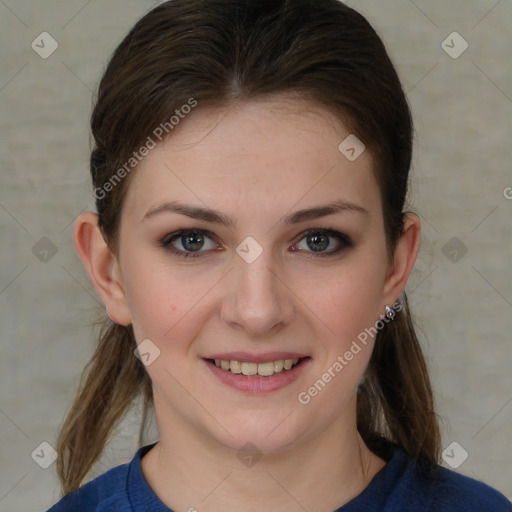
[273,153]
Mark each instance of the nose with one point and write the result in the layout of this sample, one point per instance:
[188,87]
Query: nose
[257,299]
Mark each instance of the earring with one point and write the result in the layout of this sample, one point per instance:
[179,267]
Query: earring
[390,312]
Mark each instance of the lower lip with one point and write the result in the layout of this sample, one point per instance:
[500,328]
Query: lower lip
[256,384]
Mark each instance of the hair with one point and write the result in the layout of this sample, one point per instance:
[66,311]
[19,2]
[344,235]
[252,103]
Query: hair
[219,52]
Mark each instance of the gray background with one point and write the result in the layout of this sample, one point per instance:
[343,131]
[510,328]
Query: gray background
[460,182]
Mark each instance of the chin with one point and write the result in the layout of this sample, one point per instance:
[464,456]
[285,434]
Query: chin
[268,433]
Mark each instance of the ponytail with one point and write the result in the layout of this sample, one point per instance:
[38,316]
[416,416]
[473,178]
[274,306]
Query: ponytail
[110,382]
[395,399]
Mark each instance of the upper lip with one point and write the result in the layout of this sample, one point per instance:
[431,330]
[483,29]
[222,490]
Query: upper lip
[249,357]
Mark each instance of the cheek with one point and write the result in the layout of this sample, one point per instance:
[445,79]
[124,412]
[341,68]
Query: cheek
[170,301]
[346,307]
[347,300]
[163,300]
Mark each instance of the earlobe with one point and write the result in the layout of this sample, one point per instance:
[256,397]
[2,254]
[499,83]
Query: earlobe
[404,256]
[102,266]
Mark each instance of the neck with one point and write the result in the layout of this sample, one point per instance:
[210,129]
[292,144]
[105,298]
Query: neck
[188,470]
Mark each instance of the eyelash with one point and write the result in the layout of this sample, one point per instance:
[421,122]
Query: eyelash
[344,242]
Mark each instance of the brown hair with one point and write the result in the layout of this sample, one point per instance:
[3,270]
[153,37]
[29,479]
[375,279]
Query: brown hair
[218,52]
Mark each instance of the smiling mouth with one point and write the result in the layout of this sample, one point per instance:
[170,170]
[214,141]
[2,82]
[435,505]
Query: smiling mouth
[266,369]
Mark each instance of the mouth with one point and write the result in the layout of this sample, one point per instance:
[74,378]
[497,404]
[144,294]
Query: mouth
[257,375]
[263,369]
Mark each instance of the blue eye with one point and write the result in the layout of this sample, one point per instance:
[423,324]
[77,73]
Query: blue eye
[193,242]
[318,240]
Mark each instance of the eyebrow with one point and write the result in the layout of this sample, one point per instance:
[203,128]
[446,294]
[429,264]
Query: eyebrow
[214,216]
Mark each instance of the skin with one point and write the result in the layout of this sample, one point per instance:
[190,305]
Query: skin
[256,161]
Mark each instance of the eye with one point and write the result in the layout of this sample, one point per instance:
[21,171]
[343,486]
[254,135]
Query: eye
[318,241]
[188,241]
[192,242]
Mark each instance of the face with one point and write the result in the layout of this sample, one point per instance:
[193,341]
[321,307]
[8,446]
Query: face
[248,237]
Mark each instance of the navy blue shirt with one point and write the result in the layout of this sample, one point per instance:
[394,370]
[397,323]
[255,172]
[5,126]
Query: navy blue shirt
[403,485]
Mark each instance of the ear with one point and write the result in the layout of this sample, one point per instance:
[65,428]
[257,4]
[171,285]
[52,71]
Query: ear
[102,267]
[404,256]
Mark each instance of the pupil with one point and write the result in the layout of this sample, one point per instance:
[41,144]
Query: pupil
[193,241]
[318,242]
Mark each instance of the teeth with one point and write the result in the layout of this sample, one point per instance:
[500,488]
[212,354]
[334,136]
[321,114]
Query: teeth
[235,366]
[278,366]
[264,369]
[249,368]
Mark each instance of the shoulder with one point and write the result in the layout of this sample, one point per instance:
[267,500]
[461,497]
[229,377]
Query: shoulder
[106,492]
[412,485]
[448,491]
[458,492]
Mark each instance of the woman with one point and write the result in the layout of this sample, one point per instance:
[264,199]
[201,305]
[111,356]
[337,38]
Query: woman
[251,248]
